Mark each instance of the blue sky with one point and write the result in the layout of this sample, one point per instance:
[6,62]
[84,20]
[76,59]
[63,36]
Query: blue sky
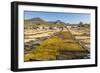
[73,18]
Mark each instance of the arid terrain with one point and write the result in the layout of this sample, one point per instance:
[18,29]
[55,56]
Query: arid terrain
[57,40]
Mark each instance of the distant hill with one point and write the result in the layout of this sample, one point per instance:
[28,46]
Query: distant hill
[56,22]
[36,22]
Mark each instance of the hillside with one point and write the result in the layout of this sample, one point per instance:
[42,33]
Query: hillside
[37,22]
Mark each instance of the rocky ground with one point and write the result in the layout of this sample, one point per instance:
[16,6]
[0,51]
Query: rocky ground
[56,44]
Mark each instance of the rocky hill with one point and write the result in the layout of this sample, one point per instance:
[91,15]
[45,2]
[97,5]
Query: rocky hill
[36,22]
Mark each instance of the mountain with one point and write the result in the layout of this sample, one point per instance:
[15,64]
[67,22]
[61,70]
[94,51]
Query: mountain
[36,20]
[56,22]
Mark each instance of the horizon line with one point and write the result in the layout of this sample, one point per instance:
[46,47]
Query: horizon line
[56,20]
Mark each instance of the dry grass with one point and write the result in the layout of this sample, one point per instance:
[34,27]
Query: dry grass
[49,49]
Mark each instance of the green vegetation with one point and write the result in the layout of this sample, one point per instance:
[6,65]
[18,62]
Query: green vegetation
[50,48]
[55,40]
